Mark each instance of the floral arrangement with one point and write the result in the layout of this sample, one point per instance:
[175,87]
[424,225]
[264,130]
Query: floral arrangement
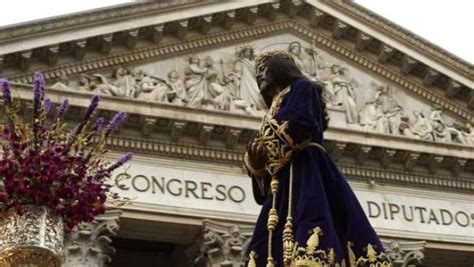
[43,163]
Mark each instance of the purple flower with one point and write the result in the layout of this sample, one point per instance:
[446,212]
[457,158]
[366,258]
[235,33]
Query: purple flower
[97,125]
[92,107]
[78,129]
[38,90]
[62,109]
[115,122]
[74,131]
[7,94]
[124,159]
[47,105]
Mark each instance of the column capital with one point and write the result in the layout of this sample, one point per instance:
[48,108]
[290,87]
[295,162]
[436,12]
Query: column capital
[89,244]
[221,244]
[405,254]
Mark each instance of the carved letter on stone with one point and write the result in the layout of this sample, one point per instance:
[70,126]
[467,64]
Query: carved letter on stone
[89,244]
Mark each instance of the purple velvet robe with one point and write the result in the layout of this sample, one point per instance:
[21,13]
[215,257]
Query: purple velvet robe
[322,196]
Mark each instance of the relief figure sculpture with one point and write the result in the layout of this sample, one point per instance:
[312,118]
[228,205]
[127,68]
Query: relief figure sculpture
[177,86]
[195,82]
[371,117]
[151,88]
[216,96]
[343,93]
[421,128]
[244,73]
[125,81]
[100,85]
[468,135]
[444,132]
[390,112]
[233,248]
[306,65]
[62,83]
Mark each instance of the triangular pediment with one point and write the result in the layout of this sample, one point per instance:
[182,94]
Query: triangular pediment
[222,79]
[371,84]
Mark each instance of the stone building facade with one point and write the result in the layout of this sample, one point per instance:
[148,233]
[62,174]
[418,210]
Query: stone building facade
[401,128]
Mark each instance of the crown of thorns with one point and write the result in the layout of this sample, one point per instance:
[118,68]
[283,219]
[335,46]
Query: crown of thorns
[261,58]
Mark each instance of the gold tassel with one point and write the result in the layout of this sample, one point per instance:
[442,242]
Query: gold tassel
[288,239]
[272,220]
[252,257]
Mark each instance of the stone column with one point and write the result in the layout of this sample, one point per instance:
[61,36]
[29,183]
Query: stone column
[405,254]
[89,244]
[221,245]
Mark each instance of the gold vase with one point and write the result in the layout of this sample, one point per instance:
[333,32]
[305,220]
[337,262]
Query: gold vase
[34,239]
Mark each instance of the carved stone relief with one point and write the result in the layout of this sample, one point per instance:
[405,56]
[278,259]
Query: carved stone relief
[89,244]
[405,254]
[224,79]
[221,245]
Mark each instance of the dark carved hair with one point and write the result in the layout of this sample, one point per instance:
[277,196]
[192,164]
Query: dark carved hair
[282,72]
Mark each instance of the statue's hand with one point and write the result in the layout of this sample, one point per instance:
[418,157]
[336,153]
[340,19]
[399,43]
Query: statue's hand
[257,154]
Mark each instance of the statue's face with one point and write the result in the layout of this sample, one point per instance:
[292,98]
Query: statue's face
[248,53]
[194,60]
[261,75]
[295,50]
[83,81]
[120,71]
[173,76]
[209,61]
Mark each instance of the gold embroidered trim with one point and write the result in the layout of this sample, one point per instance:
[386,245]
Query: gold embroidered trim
[311,256]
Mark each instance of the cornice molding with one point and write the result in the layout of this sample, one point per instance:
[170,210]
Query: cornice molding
[354,171]
[414,41]
[176,48]
[111,14]
[103,15]
[366,157]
